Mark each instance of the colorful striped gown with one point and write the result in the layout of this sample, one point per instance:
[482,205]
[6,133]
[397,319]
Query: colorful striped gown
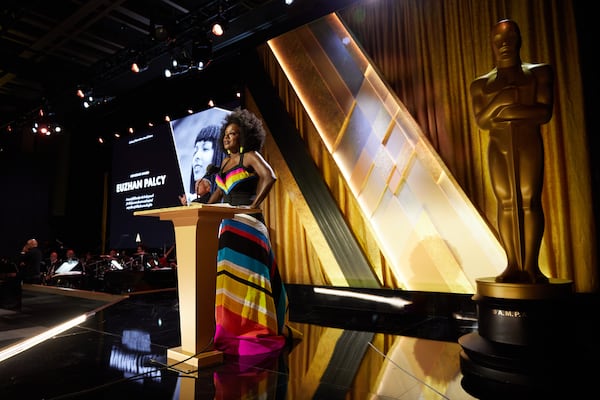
[251,302]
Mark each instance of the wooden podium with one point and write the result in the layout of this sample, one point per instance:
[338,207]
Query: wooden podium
[196,238]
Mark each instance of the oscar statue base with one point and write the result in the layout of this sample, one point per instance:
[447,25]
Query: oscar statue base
[519,328]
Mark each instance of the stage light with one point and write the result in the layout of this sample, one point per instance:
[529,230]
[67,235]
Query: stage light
[135,67]
[179,63]
[201,52]
[196,55]
[218,29]
[44,122]
[220,25]
[84,91]
[91,100]
[140,64]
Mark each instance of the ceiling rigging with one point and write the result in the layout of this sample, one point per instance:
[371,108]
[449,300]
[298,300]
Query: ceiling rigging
[50,49]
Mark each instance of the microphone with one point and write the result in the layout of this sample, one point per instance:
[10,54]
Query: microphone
[211,169]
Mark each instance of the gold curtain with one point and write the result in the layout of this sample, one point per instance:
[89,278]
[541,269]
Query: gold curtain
[429,54]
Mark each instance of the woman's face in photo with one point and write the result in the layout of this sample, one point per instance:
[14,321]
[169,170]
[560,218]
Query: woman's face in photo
[202,157]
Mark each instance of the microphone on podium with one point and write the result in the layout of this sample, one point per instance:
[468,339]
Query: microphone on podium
[211,169]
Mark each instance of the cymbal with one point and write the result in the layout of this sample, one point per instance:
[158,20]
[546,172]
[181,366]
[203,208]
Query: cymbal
[141,253]
[105,256]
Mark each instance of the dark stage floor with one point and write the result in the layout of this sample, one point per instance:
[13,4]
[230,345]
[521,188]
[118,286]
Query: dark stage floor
[359,347]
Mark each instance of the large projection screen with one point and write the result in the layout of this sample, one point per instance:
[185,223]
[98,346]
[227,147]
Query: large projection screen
[151,169]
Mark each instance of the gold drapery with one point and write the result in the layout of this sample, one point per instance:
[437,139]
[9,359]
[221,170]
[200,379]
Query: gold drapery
[429,57]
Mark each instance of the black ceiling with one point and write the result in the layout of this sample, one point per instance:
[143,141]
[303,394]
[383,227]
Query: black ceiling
[49,48]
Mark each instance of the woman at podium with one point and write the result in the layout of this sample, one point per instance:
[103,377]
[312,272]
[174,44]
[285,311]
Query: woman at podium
[251,302]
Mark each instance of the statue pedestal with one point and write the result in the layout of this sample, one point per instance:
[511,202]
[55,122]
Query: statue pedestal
[520,327]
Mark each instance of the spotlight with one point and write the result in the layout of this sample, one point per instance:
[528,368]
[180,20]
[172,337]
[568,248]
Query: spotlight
[140,64]
[220,25]
[87,96]
[91,100]
[195,56]
[135,67]
[46,127]
[201,52]
[217,29]
[179,62]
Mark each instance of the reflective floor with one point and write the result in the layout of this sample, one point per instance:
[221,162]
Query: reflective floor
[354,345]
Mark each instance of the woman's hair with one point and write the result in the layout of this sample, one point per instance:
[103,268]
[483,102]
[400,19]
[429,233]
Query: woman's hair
[252,132]
[208,133]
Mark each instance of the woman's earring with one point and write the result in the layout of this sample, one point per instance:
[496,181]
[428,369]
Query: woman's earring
[228,151]
[241,149]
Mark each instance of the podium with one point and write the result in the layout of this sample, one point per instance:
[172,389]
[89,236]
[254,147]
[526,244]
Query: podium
[196,238]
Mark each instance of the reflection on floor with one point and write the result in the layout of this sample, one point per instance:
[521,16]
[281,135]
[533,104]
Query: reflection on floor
[355,345]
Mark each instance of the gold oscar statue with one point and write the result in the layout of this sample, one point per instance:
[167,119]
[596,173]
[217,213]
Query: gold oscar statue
[512,101]
[521,312]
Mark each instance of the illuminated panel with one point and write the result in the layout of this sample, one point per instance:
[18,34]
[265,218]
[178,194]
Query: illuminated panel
[428,230]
